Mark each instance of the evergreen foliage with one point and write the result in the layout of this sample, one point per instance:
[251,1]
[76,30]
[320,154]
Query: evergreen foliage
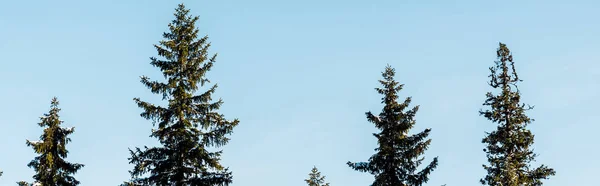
[509,146]
[128,183]
[189,124]
[50,166]
[24,183]
[315,178]
[398,155]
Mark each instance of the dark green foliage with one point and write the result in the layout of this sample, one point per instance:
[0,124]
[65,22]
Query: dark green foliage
[189,124]
[397,157]
[315,178]
[509,147]
[24,183]
[50,166]
[129,184]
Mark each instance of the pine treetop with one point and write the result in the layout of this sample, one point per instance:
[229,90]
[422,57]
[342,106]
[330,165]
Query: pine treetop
[398,156]
[190,122]
[50,166]
[315,178]
[509,146]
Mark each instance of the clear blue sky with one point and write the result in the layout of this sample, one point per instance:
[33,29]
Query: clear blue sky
[300,75]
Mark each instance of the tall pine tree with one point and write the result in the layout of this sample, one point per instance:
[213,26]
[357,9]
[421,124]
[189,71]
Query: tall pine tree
[189,124]
[398,156]
[509,146]
[315,178]
[51,168]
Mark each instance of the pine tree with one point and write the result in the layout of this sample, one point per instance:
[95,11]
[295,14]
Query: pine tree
[50,166]
[509,146]
[315,178]
[189,124]
[397,159]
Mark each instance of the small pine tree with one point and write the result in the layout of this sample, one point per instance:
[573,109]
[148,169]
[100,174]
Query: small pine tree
[190,123]
[509,146]
[397,157]
[315,178]
[50,166]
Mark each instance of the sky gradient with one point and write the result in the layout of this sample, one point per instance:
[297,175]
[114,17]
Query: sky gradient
[300,75]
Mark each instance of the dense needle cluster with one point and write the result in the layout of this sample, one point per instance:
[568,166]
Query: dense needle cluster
[398,156]
[189,124]
[509,146]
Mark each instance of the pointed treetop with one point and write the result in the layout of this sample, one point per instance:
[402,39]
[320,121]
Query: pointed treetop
[51,118]
[181,8]
[315,178]
[389,73]
[54,102]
